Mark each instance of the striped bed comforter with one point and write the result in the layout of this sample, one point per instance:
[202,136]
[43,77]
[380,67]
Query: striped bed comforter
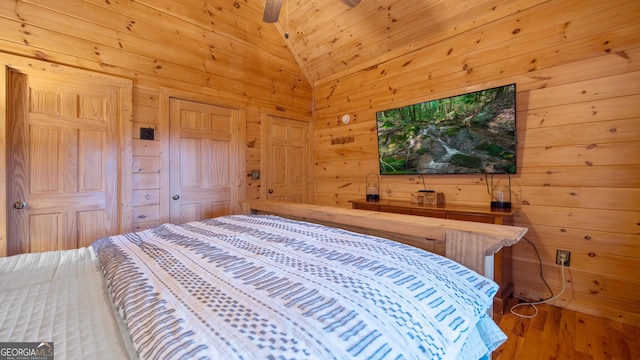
[264,287]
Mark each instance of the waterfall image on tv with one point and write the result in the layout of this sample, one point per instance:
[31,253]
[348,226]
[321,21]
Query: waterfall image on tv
[465,134]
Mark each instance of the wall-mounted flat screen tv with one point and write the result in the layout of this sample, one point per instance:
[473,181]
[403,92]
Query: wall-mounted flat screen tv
[471,133]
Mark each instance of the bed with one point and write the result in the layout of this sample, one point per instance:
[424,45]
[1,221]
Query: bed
[287,281]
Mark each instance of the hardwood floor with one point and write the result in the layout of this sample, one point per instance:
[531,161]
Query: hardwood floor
[558,333]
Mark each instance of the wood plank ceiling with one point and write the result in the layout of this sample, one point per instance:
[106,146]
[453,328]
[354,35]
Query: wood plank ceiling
[329,40]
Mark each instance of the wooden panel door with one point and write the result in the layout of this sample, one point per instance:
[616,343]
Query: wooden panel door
[204,160]
[287,159]
[63,156]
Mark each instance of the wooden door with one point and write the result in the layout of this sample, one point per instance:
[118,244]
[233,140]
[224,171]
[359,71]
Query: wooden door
[204,160]
[287,159]
[63,157]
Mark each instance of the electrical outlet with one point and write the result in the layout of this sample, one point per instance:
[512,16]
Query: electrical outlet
[563,257]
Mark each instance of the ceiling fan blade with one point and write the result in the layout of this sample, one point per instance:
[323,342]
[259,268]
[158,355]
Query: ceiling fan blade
[272,11]
[351,3]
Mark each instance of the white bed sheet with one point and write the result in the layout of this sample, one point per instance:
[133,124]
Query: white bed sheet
[60,297]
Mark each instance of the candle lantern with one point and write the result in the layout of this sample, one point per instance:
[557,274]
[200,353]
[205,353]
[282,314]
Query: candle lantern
[500,193]
[372,182]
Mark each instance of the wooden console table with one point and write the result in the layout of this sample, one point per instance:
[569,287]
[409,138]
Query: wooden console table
[502,271]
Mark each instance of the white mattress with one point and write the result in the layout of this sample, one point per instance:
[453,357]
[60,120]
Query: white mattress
[60,296]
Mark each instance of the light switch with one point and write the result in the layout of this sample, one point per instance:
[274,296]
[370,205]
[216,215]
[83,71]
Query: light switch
[147,133]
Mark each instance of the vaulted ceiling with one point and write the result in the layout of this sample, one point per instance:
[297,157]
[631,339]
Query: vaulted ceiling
[329,40]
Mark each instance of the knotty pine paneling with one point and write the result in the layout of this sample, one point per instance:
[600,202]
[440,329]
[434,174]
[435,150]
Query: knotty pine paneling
[145,214]
[622,107]
[146,158]
[253,153]
[146,197]
[139,226]
[146,181]
[145,114]
[613,288]
[584,240]
[492,65]
[144,97]
[146,147]
[225,53]
[394,29]
[577,69]
[132,35]
[146,164]
[589,263]
[617,176]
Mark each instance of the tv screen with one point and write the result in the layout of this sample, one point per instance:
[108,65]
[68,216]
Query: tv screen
[470,133]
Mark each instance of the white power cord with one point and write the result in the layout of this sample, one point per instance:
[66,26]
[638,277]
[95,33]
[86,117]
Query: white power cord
[533,304]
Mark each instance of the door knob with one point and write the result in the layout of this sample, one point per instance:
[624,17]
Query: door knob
[270,191]
[19,205]
[176,197]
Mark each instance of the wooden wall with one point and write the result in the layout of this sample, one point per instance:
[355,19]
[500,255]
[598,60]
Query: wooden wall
[577,68]
[222,54]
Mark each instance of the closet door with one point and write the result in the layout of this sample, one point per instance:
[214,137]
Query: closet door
[63,161]
[204,160]
[288,159]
